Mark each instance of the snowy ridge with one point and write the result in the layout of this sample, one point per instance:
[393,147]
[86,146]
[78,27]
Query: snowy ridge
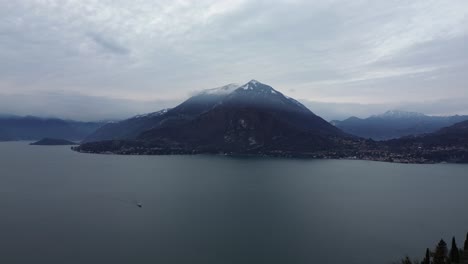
[399,114]
[224,90]
[253,86]
[257,86]
[154,114]
[253,90]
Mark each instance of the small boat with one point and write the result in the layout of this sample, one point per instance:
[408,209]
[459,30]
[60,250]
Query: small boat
[139,204]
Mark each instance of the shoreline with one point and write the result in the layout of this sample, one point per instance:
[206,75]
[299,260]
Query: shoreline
[308,156]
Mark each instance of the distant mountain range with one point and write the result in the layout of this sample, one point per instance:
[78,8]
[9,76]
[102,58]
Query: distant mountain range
[396,124]
[252,118]
[35,128]
[53,142]
[255,119]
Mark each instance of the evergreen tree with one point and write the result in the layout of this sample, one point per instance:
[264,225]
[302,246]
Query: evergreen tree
[454,252]
[466,243]
[440,254]
[406,260]
[427,258]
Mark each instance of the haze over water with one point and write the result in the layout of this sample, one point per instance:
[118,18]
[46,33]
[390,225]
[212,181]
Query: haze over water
[59,206]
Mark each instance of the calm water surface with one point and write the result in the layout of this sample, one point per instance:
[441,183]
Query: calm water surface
[58,206]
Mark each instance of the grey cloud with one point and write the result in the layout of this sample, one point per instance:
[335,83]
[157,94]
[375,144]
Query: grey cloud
[77,106]
[364,52]
[93,108]
[108,44]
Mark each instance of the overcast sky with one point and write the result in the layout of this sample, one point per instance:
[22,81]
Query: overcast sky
[109,58]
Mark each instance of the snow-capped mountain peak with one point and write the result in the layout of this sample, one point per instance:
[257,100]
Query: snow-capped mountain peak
[257,94]
[253,93]
[224,90]
[258,87]
[399,114]
[251,86]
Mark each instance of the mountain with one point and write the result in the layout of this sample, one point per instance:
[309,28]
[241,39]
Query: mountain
[395,124]
[126,129]
[453,136]
[35,128]
[131,128]
[53,142]
[457,130]
[398,114]
[253,118]
[448,144]
[4,136]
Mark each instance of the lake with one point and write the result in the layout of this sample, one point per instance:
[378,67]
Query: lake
[59,206]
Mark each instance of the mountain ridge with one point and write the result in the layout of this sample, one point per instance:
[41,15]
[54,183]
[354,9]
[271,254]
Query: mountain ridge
[255,119]
[35,128]
[251,117]
[52,142]
[251,93]
[394,124]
